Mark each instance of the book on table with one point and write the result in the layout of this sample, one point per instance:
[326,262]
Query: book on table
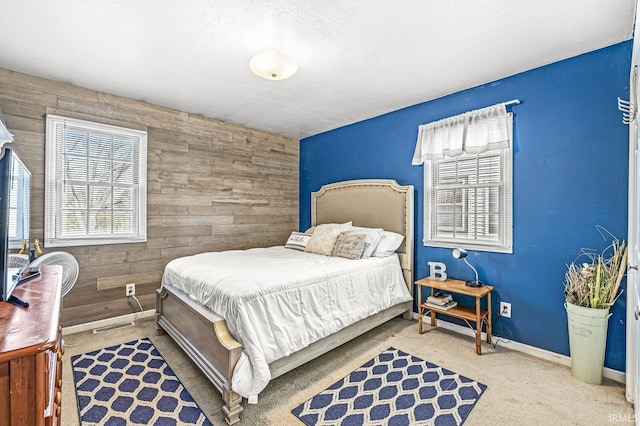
[439,299]
[444,307]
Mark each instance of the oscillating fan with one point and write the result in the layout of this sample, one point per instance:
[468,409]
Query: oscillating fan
[69,267]
[18,260]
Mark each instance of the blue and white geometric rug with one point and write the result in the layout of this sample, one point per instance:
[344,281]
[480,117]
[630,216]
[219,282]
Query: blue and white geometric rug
[131,384]
[394,389]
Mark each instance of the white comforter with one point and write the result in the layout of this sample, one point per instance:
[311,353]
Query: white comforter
[278,300]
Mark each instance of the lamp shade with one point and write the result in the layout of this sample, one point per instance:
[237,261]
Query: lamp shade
[459,253]
[273,65]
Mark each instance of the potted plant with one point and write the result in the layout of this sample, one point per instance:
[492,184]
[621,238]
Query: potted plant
[591,287]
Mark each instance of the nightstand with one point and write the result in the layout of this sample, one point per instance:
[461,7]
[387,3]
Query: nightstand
[477,315]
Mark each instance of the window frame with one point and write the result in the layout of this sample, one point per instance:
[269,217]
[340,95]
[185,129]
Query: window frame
[54,182]
[20,208]
[504,242]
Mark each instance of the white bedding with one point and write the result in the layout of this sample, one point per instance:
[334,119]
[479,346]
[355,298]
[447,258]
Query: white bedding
[277,300]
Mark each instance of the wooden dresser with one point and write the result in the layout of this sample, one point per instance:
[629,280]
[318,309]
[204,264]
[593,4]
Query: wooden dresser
[31,353]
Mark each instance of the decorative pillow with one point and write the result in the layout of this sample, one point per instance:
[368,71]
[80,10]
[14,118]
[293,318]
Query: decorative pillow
[298,240]
[349,245]
[388,244]
[373,237]
[324,237]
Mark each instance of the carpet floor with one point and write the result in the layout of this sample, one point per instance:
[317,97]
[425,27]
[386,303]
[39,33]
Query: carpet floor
[521,389]
[131,384]
[394,389]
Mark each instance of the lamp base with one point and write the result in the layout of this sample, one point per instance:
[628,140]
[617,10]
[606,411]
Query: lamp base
[474,283]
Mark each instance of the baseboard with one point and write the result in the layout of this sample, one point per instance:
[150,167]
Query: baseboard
[106,322]
[609,373]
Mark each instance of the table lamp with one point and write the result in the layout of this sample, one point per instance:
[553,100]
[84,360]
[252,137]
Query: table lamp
[459,253]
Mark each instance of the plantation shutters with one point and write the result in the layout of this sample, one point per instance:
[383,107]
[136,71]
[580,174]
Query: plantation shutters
[95,183]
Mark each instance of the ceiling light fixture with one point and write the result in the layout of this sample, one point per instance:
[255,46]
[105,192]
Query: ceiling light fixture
[273,65]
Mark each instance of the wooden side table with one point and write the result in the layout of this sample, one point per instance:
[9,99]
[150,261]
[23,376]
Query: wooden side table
[465,313]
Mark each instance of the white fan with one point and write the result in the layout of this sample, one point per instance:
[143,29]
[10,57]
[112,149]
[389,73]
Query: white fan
[69,265]
[18,260]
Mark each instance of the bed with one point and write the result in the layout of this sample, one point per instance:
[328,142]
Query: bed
[205,336]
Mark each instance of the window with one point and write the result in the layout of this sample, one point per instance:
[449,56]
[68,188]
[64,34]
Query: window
[468,179]
[468,201]
[19,203]
[95,189]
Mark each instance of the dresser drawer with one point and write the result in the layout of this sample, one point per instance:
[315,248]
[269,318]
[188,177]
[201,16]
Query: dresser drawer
[31,355]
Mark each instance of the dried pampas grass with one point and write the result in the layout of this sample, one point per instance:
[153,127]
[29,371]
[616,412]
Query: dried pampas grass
[596,282]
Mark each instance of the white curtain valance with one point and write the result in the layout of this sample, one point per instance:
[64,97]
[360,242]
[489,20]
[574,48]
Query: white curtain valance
[471,133]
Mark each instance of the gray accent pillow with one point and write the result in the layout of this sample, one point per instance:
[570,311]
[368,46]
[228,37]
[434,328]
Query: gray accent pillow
[349,245]
[373,237]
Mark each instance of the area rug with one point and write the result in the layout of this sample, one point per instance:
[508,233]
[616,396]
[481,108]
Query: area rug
[394,389]
[131,384]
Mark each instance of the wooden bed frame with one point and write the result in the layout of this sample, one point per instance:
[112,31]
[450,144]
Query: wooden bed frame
[204,336]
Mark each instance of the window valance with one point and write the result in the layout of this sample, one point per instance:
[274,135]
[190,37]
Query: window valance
[473,132]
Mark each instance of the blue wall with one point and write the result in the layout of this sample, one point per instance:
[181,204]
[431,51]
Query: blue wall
[570,174]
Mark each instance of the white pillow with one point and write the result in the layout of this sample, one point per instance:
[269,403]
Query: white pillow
[298,241]
[324,237]
[371,241]
[388,244]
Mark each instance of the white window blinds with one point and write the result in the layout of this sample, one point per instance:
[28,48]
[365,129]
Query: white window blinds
[96,183]
[19,204]
[468,202]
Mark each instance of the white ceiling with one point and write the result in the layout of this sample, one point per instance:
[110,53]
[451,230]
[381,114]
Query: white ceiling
[357,58]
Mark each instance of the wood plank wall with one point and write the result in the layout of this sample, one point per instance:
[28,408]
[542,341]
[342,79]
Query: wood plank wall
[212,186]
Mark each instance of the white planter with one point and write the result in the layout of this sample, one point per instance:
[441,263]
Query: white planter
[587,342]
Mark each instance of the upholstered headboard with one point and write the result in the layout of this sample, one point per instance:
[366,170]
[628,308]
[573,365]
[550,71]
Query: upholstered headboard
[373,203]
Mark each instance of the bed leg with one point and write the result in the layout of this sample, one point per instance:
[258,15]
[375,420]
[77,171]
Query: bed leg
[232,407]
[161,293]
[159,330]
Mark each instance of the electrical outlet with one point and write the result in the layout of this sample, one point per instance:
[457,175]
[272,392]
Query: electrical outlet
[505,309]
[130,290]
